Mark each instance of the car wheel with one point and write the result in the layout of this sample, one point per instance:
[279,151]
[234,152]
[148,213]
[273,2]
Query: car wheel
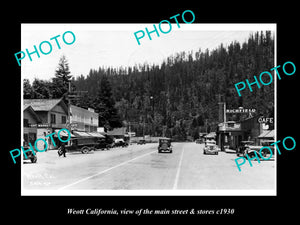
[251,155]
[34,159]
[85,150]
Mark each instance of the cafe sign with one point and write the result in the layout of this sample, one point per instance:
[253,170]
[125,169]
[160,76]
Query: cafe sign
[265,119]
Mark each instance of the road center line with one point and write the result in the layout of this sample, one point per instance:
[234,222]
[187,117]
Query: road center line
[178,170]
[104,171]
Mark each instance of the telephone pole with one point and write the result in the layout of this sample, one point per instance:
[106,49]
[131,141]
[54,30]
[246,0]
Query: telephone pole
[222,109]
[72,95]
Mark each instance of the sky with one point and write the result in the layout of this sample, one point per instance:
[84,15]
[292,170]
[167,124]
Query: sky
[114,45]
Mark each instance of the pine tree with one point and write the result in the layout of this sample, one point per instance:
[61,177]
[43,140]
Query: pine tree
[60,82]
[105,105]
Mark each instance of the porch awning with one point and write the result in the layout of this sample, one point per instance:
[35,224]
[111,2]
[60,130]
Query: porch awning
[63,133]
[268,134]
[95,134]
[88,134]
[81,134]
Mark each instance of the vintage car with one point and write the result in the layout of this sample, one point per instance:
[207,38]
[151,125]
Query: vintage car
[105,143]
[251,149]
[83,144]
[210,148]
[164,145]
[141,142]
[242,147]
[29,155]
[119,142]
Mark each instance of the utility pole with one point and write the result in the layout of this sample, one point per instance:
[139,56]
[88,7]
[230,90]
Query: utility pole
[75,95]
[222,113]
[222,105]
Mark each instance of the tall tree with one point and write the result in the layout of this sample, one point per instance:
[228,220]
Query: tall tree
[104,104]
[60,82]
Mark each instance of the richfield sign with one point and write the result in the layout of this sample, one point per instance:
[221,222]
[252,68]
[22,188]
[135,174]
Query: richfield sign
[240,110]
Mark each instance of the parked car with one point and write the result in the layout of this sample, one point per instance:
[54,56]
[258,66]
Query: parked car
[83,144]
[30,156]
[102,144]
[119,142]
[105,143]
[164,145]
[256,148]
[141,142]
[242,147]
[210,148]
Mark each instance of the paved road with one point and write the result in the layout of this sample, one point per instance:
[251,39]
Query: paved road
[141,167]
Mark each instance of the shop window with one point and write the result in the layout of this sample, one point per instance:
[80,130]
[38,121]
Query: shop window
[25,122]
[53,118]
[63,119]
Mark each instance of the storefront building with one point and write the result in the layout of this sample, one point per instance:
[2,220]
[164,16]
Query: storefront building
[229,135]
[53,114]
[83,119]
[252,129]
[29,118]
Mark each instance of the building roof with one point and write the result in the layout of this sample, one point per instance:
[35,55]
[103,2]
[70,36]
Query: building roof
[76,109]
[117,131]
[43,104]
[30,110]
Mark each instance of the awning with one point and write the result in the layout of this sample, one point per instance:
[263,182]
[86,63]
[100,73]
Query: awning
[88,134]
[268,134]
[81,134]
[63,133]
[95,134]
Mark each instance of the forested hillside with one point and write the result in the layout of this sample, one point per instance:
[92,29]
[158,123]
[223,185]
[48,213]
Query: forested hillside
[181,95]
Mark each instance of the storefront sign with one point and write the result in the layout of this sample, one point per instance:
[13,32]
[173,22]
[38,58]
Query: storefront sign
[240,110]
[41,125]
[265,119]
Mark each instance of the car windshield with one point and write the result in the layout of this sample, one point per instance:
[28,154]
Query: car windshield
[210,142]
[161,141]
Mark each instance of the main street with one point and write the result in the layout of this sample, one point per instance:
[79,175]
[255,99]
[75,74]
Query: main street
[141,167]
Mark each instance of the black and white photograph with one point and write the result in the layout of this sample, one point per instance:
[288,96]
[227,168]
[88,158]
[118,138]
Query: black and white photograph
[142,109]
[183,111]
